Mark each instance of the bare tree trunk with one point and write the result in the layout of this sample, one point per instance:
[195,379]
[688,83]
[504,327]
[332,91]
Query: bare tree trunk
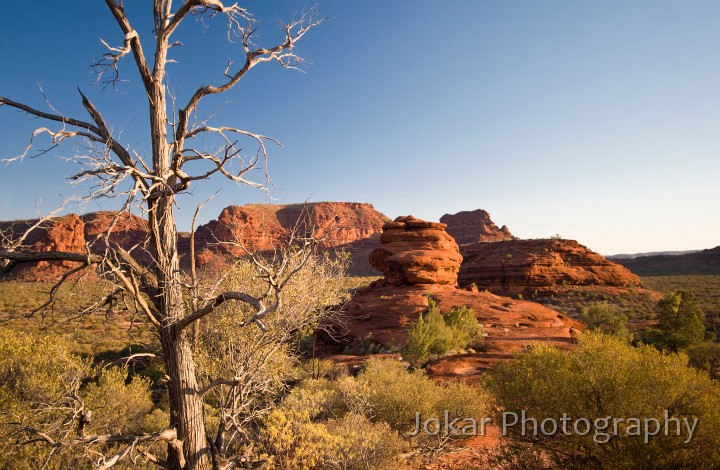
[186,406]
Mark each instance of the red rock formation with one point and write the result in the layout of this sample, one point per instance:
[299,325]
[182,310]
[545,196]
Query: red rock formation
[381,314]
[539,266]
[474,226]
[414,251]
[354,227]
[127,229]
[64,233]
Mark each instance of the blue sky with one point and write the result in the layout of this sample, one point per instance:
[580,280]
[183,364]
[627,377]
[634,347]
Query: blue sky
[597,121]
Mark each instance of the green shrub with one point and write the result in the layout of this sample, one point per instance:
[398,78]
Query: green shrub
[606,377]
[434,334]
[45,388]
[608,319]
[361,422]
[395,395]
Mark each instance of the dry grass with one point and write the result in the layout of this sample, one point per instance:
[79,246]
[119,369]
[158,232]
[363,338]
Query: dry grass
[94,333]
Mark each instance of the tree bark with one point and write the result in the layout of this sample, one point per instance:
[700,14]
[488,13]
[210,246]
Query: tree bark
[186,406]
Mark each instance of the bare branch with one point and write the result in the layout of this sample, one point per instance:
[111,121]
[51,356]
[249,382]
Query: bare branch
[15,258]
[131,43]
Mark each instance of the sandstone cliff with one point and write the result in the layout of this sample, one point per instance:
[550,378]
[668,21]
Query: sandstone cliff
[354,227]
[474,226]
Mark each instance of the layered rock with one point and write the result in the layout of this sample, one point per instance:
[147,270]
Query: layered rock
[354,227]
[66,233]
[127,230]
[421,260]
[542,267]
[415,251]
[474,226]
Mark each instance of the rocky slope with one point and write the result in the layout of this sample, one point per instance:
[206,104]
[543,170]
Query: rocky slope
[701,262]
[542,267]
[354,227]
[474,226]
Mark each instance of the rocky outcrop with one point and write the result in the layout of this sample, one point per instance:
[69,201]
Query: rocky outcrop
[352,227]
[127,230]
[415,251]
[474,226]
[64,233]
[542,267]
[420,260]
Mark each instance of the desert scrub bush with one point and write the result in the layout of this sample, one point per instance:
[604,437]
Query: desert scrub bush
[294,441]
[608,319]
[46,388]
[246,371]
[363,421]
[434,334]
[396,395]
[606,377]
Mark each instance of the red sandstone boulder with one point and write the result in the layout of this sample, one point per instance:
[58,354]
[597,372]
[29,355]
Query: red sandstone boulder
[415,251]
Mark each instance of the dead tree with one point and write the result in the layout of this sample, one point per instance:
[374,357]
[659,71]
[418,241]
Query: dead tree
[152,183]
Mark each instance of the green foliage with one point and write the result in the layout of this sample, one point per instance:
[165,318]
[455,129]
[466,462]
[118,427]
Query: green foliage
[294,441]
[681,323]
[705,288]
[608,319]
[118,407]
[607,377]
[434,334]
[395,395]
[681,320]
[361,422]
[46,387]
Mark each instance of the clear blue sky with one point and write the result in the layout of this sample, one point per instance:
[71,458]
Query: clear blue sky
[599,121]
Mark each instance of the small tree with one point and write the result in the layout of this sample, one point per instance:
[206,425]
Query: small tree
[608,319]
[681,321]
[185,148]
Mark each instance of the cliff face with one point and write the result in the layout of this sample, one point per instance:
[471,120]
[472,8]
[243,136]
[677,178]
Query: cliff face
[544,267]
[64,233]
[355,227]
[474,226]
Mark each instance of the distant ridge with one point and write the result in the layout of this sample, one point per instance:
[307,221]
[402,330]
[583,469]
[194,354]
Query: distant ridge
[700,262]
[651,253]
